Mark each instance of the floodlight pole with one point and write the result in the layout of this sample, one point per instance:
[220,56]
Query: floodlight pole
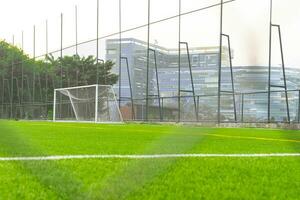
[220,63]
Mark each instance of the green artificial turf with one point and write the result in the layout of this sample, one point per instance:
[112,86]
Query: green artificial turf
[164,178]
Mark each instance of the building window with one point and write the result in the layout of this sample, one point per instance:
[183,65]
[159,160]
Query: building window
[195,59]
[111,51]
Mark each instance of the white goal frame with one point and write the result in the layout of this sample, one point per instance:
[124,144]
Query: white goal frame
[96,104]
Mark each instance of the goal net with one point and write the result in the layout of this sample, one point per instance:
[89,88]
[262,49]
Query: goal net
[92,103]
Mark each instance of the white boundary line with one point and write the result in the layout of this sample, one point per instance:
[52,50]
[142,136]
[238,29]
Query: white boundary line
[154,156]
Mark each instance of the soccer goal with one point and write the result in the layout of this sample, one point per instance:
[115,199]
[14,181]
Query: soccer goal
[92,103]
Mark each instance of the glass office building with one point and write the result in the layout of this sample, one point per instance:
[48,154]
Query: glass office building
[204,64]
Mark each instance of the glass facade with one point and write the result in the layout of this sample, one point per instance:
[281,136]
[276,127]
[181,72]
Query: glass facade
[204,63]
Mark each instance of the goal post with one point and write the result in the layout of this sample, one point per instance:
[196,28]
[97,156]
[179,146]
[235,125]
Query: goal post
[91,103]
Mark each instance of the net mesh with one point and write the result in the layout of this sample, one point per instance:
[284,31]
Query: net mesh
[95,103]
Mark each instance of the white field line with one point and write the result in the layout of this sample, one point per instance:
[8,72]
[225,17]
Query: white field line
[154,156]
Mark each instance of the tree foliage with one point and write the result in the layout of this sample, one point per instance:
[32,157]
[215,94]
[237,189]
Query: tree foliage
[30,80]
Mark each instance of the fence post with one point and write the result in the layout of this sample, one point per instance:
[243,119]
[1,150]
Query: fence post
[242,116]
[299,106]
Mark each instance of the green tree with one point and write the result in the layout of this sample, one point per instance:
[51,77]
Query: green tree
[75,70]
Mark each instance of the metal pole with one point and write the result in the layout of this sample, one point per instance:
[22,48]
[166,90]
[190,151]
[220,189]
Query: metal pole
[61,55]
[97,52]
[179,61]
[12,89]
[198,99]
[76,30]
[54,106]
[162,108]
[61,49]
[22,73]
[242,117]
[157,83]
[3,93]
[299,106]
[270,58]
[220,63]
[130,87]
[33,89]
[96,104]
[120,52]
[148,52]
[192,79]
[231,74]
[47,68]
[284,77]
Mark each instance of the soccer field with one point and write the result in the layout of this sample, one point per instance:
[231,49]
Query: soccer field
[138,161]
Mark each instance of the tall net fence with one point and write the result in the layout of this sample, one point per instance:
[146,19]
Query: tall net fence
[170,63]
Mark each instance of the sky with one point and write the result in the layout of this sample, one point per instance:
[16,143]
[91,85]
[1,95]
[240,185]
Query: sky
[246,21]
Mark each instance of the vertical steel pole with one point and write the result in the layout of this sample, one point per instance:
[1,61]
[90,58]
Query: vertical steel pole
[12,89]
[3,93]
[147,73]
[162,108]
[54,106]
[97,52]
[232,81]
[61,55]
[192,80]
[284,76]
[33,89]
[120,52]
[47,49]
[131,93]
[47,69]
[22,73]
[220,63]
[61,49]
[76,42]
[179,61]
[299,106]
[270,58]
[96,103]
[242,117]
[157,85]
[76,31]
